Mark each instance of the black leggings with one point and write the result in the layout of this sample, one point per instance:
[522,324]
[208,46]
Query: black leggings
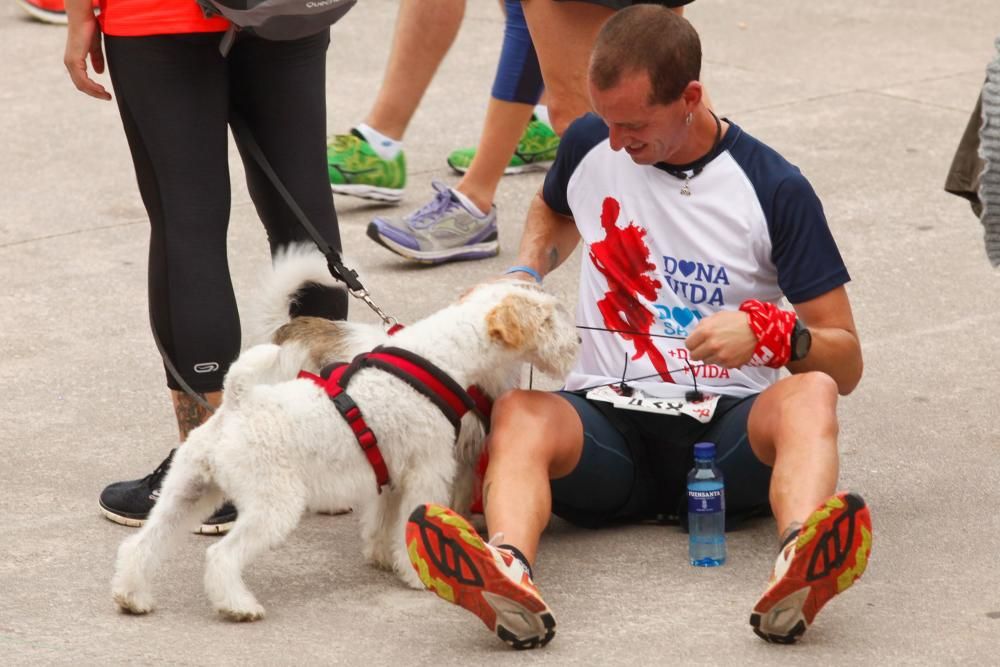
[176,94]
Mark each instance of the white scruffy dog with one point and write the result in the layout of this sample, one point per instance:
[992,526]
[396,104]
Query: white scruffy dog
[311,343]
[276,446]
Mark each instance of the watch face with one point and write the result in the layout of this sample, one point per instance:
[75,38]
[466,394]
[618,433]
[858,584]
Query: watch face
[801,342]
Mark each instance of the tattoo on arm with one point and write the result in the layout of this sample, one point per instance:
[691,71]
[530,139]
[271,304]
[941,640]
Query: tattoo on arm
[553,257]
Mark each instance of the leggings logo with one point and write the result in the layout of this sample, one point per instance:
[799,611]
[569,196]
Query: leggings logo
[206,367]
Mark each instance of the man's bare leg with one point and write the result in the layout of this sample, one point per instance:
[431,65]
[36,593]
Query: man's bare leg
[535,436]
[425,30]
[793,428]
[563,34]
[502,129]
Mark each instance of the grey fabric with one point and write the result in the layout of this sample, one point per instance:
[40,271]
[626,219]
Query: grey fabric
[989,150]
[280,19]
[967,167]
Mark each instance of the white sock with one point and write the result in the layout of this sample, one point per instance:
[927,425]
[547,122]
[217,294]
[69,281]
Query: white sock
[467,203]
[542,114]
[387,148]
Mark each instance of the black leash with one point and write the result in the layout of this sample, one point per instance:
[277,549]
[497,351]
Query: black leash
[173,370]
[334,263]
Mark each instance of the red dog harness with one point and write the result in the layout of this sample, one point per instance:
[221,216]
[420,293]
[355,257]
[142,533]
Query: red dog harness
[453,401]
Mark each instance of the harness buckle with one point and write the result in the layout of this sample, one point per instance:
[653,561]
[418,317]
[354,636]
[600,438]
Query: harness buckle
[346,404]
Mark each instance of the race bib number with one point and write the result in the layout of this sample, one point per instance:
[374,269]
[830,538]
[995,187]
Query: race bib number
[702,410]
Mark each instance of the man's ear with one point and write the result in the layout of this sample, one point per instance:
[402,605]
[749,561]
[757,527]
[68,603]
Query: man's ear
[693,94]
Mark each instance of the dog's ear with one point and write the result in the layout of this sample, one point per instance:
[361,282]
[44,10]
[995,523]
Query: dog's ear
[513,321]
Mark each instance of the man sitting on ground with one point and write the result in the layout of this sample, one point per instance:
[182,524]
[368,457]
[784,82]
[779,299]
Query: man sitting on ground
[694,232]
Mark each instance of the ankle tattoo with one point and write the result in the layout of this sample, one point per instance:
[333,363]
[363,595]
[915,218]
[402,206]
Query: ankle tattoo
[190,414]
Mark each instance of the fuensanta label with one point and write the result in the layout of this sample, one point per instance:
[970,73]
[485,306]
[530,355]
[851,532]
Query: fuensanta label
[705,502]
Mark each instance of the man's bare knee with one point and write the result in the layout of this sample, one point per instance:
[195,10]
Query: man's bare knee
[519,418]
[537,426]
[811,407]
[816,392]
[797,411]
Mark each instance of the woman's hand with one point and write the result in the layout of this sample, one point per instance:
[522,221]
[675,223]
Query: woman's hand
[83,38]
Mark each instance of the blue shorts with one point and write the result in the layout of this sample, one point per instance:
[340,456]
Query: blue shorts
[634,465]
[519,76]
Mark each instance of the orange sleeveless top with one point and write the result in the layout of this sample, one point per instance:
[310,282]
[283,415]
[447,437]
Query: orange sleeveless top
[139,18]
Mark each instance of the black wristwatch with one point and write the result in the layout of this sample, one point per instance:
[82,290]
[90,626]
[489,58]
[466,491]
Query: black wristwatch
[801,341]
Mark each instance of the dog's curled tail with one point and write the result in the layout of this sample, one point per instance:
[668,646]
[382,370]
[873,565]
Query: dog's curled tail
[261,364]
[295,266]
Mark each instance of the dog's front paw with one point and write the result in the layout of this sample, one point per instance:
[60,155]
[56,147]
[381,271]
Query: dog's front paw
[409,576]
[133,602]
[243,614]
[379,555]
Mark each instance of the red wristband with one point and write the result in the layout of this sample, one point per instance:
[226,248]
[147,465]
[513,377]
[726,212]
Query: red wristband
[773,329]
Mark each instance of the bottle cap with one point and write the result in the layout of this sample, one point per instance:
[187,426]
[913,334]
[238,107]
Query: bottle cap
[704,451]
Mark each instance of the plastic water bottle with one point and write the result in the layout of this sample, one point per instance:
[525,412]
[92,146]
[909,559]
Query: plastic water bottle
[706,509]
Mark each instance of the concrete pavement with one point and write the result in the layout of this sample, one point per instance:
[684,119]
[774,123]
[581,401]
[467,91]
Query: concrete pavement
[868,98]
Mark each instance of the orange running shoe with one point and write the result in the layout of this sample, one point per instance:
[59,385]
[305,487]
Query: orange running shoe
[453,561]
[830,553]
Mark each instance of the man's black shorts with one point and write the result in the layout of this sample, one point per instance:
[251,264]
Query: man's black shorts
[634,465]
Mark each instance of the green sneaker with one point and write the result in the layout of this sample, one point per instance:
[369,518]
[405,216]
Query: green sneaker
[357,170]
[535,151]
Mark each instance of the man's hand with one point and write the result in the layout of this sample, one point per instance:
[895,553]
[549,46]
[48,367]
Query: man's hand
[724,339]
[83,38]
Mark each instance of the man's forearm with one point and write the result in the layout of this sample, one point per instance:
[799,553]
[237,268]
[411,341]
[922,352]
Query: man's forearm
[837,353]
[836,348]
[548,239]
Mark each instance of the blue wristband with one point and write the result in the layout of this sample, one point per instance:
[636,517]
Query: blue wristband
[526,269]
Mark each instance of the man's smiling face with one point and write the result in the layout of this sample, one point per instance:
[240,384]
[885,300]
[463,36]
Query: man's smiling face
[648,132]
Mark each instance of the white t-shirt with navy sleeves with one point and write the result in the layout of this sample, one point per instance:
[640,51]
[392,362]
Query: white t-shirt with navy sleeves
[657,261]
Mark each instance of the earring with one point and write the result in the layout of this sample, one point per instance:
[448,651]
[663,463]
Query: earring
[688,118]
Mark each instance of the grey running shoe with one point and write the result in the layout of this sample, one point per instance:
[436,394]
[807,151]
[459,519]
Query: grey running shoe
[443,230]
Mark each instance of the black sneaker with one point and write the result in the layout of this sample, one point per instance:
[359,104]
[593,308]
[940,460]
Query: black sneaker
[220,522]
[129,503]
